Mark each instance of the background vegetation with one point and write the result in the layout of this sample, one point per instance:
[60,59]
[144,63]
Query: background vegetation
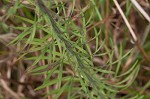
[73,49]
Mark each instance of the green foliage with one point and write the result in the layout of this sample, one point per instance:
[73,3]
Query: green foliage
[64,44]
